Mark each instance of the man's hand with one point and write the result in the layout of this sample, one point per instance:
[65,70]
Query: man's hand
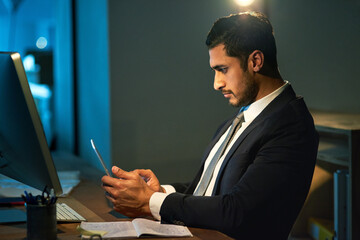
[129,193]
[150,179]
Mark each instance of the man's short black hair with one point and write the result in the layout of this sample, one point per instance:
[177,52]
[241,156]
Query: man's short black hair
[242,34]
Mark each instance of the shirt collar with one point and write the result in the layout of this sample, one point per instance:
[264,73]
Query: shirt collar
[253,110]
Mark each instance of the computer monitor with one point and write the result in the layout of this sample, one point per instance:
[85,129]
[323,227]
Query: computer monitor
[24,152]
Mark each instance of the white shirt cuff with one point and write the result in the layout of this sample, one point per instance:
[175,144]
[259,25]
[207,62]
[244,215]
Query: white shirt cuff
[168,189]
[155,203]
[157,200]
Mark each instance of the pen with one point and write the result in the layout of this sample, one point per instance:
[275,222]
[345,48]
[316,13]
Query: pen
[99,156]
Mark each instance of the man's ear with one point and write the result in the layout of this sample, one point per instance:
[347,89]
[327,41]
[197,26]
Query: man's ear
[256,60]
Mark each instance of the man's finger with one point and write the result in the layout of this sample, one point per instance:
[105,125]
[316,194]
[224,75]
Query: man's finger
[109,181]
[111,199]
[145,173]
[118,172]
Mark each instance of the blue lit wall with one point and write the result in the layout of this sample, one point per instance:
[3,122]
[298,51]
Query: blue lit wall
[64,77]
[29,25]
[93,79]
[31,20]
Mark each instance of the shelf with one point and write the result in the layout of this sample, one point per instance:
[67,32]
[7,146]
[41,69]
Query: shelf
[339,135]
[333,150]
[337,121]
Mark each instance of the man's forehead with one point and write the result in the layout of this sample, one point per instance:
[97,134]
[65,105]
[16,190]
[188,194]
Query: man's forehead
[218,57]
[217,53]
[218,49]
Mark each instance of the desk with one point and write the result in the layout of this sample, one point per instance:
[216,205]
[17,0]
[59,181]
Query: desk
[88,199]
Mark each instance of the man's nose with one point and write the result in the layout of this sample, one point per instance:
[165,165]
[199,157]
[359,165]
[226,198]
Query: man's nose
[219,82]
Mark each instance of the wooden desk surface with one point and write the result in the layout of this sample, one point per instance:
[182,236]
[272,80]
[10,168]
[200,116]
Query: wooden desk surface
[88,200]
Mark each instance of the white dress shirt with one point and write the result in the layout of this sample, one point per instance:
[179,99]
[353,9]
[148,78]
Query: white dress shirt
[250,114]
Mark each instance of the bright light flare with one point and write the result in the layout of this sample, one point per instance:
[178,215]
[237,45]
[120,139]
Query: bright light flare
[244,3]
[41,43]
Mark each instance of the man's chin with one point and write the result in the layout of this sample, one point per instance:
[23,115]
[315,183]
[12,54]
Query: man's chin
[236,104]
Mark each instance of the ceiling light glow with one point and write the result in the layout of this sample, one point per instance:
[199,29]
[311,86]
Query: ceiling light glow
[244,3]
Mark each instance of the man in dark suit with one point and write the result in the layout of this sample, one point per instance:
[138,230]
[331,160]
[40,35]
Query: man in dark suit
[253,180]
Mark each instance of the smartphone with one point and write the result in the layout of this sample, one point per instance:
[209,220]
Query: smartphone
[99,157]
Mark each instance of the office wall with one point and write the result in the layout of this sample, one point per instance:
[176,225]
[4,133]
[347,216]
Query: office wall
[93,107]
[318,49]
[164,110]
[160,109]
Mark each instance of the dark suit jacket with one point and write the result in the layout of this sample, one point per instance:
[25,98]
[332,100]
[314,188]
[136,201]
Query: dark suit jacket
[263,181]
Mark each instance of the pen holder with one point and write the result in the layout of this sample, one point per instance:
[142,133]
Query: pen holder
[41,221]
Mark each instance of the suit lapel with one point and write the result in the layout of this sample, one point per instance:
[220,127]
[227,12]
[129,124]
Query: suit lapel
[280,101]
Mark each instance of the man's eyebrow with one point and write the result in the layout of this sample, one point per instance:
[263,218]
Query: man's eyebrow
[217,67]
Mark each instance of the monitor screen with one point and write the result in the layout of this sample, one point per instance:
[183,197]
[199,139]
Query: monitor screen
[24,152]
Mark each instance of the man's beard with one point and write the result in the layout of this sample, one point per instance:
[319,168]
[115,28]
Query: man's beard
[250,94]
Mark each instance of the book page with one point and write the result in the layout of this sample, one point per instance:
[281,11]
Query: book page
[120,229]
[149,227]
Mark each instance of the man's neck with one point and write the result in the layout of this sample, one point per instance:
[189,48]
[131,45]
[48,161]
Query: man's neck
[267,85]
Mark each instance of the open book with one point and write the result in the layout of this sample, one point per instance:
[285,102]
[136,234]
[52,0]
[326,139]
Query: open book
[134,229]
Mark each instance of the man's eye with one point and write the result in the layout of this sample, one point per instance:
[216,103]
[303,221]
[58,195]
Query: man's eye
[223,70]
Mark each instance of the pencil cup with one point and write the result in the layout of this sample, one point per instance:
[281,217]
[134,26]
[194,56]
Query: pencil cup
[41,222]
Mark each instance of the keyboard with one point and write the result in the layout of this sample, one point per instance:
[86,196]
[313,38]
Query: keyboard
[64,213]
